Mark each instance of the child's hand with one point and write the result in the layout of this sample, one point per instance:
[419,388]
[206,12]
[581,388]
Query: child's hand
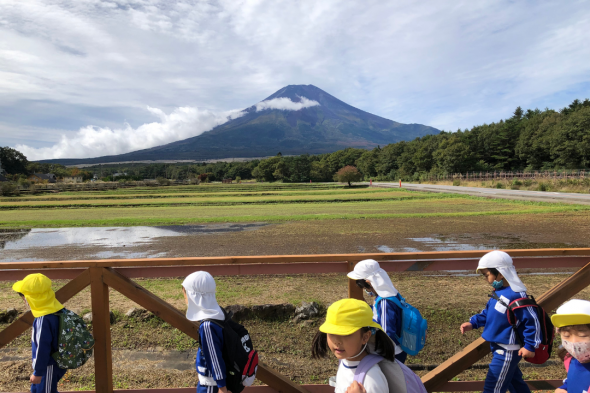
[467,326]
[356,387]
[525,353]
[35,380]
[559,390]
[223,389]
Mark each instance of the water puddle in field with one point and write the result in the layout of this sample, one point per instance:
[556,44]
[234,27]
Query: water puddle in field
[467,243]
[115,239]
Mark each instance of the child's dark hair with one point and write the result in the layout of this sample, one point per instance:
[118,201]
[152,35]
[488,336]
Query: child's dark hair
[494,271]
[20,294]
[384,346]
[362,284]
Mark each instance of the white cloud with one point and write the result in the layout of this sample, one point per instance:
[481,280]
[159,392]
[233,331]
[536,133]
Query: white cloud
[182,123]
[94,141]
[285,103]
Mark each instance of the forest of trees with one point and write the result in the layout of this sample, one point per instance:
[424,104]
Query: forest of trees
[529,140]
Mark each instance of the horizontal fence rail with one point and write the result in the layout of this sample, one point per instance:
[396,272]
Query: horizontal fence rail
[116,274]
[511,175]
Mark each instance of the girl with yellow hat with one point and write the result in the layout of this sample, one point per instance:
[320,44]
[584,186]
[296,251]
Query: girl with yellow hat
[38,295]
[572,321]
[346,333]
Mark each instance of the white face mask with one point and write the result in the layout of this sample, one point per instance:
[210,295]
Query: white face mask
[580,350]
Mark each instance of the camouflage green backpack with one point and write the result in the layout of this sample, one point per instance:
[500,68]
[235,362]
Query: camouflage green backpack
[75,342]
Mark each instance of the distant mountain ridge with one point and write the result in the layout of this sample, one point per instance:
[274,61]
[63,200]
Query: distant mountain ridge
[332,125]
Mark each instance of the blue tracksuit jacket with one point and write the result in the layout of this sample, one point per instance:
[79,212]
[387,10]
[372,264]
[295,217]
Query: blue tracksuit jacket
[44,343]
[387,314]
[209,356]
[495,322]
[578,377]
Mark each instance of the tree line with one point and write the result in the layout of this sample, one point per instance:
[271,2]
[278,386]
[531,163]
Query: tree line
[528,140]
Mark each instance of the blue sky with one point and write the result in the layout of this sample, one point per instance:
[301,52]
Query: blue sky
[90,78]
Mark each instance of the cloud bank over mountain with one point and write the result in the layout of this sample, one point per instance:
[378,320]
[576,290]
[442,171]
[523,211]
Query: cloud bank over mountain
[181,123]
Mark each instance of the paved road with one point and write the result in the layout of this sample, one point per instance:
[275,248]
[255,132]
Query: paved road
[537,196]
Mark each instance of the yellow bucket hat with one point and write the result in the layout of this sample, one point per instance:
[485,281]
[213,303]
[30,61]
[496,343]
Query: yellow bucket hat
[37,290]
[574,312]
[346,316]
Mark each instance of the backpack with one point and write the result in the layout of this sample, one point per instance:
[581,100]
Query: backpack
[239,355]
[400,379]
[75,342]
[543,352]
[413,334]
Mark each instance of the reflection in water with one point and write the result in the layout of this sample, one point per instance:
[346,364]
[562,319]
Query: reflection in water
[110,237]
[12,235]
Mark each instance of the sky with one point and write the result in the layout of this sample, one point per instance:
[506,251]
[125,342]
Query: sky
[86,78]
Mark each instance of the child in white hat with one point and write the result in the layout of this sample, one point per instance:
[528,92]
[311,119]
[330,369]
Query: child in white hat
[199,293]
[376,283]
[572,321]
[498,270]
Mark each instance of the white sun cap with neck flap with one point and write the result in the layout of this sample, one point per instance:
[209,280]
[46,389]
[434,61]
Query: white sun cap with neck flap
[200,291]
[503,263]
[369,269]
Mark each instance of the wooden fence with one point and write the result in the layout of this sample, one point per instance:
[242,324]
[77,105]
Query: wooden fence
[116,274]
[511,175]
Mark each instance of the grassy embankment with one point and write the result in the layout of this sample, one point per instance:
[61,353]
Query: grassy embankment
[250,203]
[445,301]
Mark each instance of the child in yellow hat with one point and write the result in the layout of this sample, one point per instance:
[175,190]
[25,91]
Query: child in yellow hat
[572,321]
[38,295]
[348,328]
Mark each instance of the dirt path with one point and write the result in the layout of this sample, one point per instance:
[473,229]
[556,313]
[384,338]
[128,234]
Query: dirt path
[536,196]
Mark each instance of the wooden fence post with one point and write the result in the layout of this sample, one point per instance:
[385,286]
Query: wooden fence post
[101,330]
[354,291]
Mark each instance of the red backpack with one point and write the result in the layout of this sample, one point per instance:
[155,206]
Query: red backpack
[543,352]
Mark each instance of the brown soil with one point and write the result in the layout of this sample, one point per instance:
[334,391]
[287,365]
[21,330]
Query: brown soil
[559,230]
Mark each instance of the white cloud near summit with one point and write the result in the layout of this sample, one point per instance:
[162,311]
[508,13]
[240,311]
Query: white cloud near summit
[285,103]
[66,64]
[182,123]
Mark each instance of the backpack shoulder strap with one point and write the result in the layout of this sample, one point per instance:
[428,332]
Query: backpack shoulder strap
[522,302]
[365,365]
[566,362]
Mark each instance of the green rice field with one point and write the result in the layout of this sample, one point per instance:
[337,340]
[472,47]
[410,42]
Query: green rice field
[273,202]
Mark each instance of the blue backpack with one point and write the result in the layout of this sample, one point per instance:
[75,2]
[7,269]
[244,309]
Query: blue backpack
[413,334]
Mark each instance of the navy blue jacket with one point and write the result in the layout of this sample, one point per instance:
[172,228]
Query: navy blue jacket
[44,342]
[209,356]
[498,330]
[387,314]
[578,377]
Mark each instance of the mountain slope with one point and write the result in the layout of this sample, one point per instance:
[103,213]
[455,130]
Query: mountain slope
[329,126]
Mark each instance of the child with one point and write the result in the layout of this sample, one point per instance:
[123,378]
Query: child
[348,328]
[376,283]
[35,289]
[199,293]
[504,374]
[572,321]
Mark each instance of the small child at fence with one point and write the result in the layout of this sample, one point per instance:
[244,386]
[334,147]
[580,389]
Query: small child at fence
[572,321]
[376,283]
[498,270]
[35,289]
[366,353]
[199,294]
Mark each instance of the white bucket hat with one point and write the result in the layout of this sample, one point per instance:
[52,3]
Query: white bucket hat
[503,263]
[369,269]
[200,291]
